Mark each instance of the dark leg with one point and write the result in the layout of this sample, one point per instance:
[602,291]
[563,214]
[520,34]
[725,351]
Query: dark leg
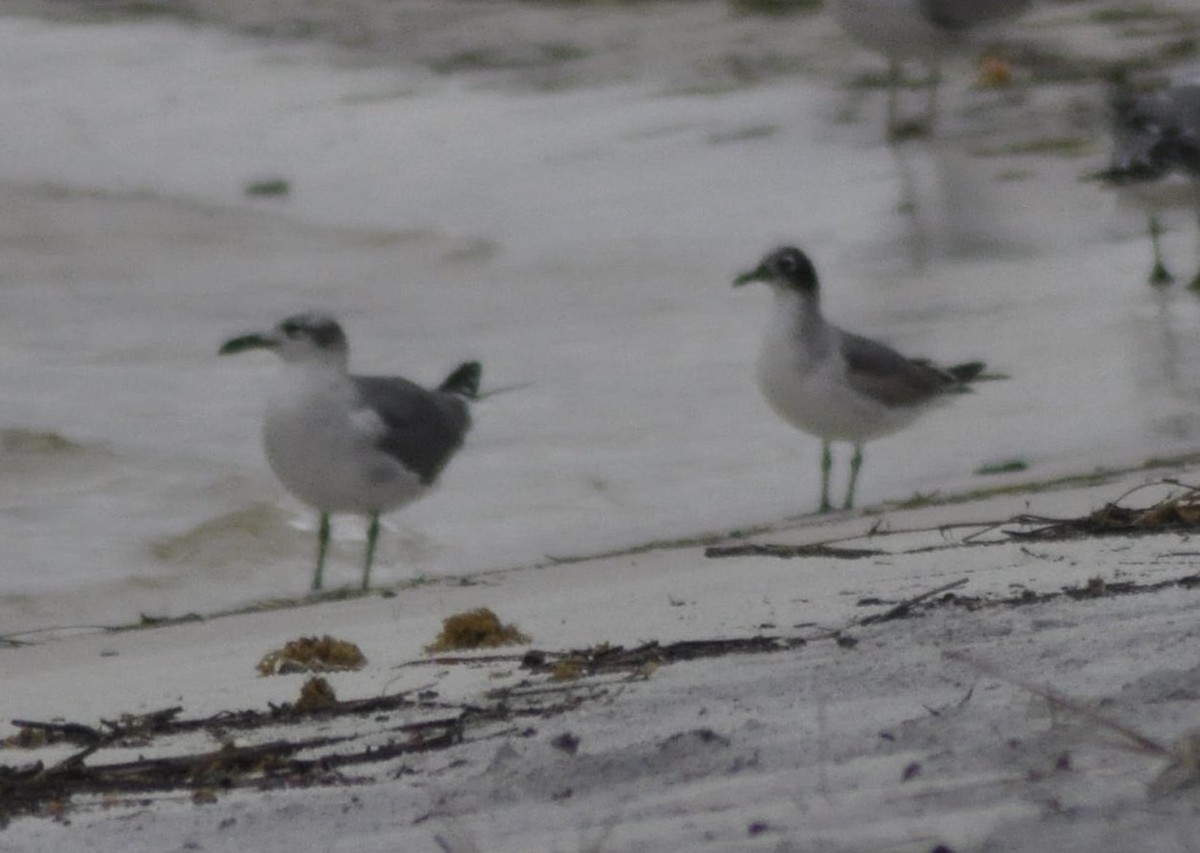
[826,468]
[855,464]
[1194,284]
[322,547]
[1158,274]
[895,80]
[931,97]
[372,536]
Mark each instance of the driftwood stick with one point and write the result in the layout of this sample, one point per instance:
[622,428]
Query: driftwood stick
[825,547]
[788,551]
[70,732]
[901,610]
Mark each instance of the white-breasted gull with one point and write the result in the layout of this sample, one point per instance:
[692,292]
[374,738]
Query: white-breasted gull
[833,384]
[343,443]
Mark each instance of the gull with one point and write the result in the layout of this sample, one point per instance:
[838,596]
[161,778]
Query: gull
[924,30]
[833,384]
[1156,135]
[354,444]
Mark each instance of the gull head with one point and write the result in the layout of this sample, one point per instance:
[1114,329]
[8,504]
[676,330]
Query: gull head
[786,269]
[301,338]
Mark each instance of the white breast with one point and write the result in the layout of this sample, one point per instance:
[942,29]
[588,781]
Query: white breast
[321,444]
[896,28]
[805,382]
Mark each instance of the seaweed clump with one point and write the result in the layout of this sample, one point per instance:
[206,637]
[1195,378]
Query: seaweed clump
[312,654]
[475,629]
[316,694]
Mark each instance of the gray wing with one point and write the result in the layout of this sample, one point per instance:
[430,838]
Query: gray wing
[1184,143]
[1140,123]
[1154,132]
[883,374]
[423,428]
[964,14]
[1185,100]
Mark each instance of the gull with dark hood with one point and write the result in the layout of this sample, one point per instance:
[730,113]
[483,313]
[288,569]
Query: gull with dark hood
[834,384]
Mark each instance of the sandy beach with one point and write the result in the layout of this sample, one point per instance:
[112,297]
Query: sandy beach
[811,703]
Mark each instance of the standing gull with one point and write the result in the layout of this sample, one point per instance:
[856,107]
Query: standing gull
[354,444]
[1156,135]
[833,384]
[924,30]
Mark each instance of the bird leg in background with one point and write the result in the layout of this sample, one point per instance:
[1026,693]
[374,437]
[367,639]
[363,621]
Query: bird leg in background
[1159,273]
[899,129]
[322,547]
[826,468]
[895,81]
[855,464]
[1194,284]
[931,96]
[372,536]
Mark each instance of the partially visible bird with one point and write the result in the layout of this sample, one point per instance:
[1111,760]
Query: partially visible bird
[924,30]
[354,444]
[1156,135]
[833,384]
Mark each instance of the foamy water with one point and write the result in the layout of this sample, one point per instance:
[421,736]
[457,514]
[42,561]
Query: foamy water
[581,240]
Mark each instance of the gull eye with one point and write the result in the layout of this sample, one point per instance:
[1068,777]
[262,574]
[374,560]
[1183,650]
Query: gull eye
[290,328]
[787,263]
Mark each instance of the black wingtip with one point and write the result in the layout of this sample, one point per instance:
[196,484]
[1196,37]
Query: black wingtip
[966,372]
[973,371]
[464,381]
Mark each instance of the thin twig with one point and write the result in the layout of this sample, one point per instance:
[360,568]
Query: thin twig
[901,610]
[788,551]
[1057,699]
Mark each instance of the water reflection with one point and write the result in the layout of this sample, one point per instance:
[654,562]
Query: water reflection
[950,202]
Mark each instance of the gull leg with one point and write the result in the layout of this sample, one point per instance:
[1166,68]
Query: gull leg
[826,468]
[855,464]
[1158,273]
[1194,284]
[322,547]
[895,78]
[372,536]
[931,96]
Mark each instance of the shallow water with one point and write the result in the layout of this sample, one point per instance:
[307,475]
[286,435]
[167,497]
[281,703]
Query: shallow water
[580,238]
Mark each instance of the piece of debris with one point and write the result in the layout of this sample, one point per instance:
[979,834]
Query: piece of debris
[567,670]
[767,549]
[1008,466]
[475,629]
[904,608]
[1183,766]
[643,660]
[1180,512]
[312,654]
[567,742]
[268,187]
[315,695]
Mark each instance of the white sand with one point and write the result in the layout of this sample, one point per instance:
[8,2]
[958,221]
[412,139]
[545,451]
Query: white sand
[805,749]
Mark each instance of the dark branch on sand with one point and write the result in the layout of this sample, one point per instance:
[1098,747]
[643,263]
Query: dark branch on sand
[787,551]
[904,608]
